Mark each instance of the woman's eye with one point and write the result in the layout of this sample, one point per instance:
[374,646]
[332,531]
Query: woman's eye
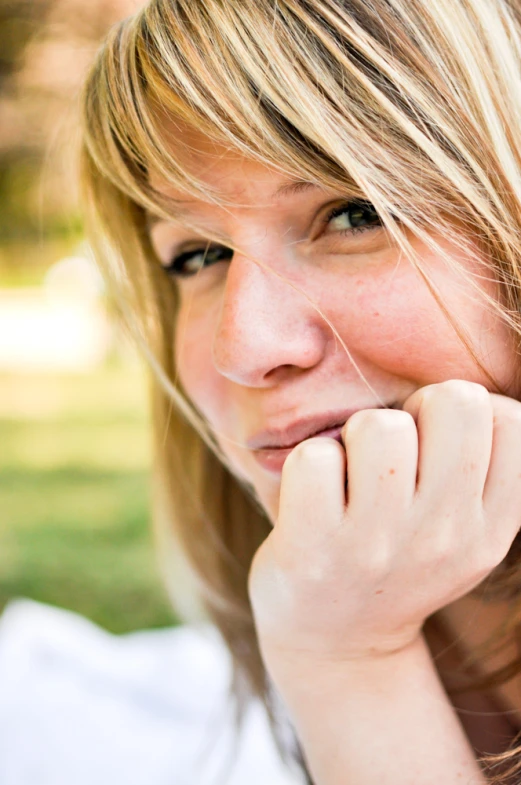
[353,216]
[191,262]
[349,217]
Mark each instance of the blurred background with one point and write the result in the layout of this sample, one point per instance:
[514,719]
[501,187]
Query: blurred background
[74,441]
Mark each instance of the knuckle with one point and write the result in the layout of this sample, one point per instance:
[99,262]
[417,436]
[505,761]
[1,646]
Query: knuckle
[441,548]
[379,421]
[377,561]
[457,393]
[315,450]
[507,411]
[302,452]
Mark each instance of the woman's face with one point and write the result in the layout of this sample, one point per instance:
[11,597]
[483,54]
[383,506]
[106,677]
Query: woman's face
[254,347]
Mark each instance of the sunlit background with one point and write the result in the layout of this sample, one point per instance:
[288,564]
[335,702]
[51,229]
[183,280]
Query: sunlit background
[74,441]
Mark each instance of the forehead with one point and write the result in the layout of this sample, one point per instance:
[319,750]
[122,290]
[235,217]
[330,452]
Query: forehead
[231,176]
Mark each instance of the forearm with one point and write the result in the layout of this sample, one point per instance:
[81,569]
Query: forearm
[384,722]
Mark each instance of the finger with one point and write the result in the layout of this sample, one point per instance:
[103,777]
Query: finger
[312,494]
[382,451]
[502,493]
[454,422]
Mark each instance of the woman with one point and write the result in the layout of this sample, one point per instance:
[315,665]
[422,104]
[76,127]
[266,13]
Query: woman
[311,211]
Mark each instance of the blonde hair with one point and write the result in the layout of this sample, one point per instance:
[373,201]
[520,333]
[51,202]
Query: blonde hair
[412,104]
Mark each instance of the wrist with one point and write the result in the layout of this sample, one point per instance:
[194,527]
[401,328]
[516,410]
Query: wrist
[385,718]
[296,673]
[293,666]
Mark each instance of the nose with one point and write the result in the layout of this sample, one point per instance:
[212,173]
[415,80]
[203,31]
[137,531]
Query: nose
[267,329]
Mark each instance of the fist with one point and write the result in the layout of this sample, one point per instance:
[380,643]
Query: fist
[416,509]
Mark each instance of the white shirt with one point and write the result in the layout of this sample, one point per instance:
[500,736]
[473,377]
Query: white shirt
[79,706]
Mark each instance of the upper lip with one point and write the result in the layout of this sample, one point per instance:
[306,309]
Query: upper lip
[304,428]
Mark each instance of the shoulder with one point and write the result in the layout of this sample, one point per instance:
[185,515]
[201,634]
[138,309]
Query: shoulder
[81,705]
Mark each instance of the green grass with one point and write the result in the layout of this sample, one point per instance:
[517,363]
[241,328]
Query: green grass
[74,497]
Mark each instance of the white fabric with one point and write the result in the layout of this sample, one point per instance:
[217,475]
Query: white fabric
[79,706]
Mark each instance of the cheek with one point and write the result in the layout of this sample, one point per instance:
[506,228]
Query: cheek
[394,322]
[194,363]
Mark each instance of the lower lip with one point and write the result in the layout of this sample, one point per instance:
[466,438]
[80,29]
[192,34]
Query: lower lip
[273,460]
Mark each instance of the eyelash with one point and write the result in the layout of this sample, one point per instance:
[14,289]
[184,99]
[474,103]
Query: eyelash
[175,270]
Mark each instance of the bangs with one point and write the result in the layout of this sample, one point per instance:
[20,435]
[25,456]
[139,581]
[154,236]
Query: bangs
[305,88]
[409,104]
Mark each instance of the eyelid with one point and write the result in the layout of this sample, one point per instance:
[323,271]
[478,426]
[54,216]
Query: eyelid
[182,250]
[176,250]
[170,239]
[208,250]
[326,213]
[337,210]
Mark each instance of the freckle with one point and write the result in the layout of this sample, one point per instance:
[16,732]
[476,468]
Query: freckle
[391,471]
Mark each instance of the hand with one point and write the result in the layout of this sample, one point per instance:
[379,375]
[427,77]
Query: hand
[433,504]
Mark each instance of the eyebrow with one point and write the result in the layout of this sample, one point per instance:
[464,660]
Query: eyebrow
[294,187]
[289,188]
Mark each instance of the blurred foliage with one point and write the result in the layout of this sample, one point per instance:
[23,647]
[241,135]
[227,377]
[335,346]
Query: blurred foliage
[24,263]
[74,493]
[74,452]
[46,47]
[19,20]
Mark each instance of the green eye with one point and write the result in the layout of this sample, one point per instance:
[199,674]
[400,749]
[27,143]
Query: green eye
[191,262]
[353,215]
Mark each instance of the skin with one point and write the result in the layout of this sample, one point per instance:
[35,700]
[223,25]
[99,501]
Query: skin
[434,483]
[252,352]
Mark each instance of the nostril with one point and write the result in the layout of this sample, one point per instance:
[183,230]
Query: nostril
[284,368]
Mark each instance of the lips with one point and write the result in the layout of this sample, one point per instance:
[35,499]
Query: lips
[273,459]
[271,447]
